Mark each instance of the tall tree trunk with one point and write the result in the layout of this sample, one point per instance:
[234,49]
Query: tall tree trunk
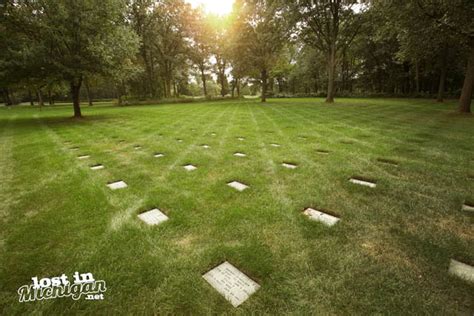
[88,91]
[175,89]
[6,97]
[442,75]
[331,74]
[203,78]
[119,94]
[417,77]
[468,86]
[76,102]
[238,87]
[222,80]
[151,77]
[40,97]
[264,85]
[50,97]
[234,84]
[30,96]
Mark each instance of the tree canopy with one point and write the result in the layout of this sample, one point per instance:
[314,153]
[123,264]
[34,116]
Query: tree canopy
[152,49]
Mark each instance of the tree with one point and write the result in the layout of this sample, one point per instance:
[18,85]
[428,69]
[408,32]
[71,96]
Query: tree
[262,31]
[331,26]
[456,18]
[201,46]
[76,38]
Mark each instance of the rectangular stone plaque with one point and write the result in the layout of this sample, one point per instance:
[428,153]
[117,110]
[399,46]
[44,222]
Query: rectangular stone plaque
[117,185]
[159,155]
[153,217]
[461,270]
[275,145]
[321,217]
[97,167]
[362,182]
[83,157]
[240,155]
[231,283]
[238,186]
[468,208]
[190,167]
[289,165]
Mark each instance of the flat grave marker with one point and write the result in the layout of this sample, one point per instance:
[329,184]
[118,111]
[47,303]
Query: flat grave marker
[240,138]
[158,155]
[240,155]
[461,270]
[468,207]
[275,145]
[238,186]
[205,146]
[97,167]
[153,217]
[362,182]
[319,216]
[83,157]
[322,151]
[190,167]
[117,185]
[289,165]
[230,282]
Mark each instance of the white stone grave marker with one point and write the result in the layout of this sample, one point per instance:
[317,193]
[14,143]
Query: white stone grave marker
[240,155]
[467,208]
[238,186]
[117,185]
[97,167]
[231,283]
[190,167]
[461,270]
[153,217]
[362,182]
[289,165]
[321,217]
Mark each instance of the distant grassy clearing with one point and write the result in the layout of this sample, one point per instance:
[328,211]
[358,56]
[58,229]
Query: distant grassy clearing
[389,252]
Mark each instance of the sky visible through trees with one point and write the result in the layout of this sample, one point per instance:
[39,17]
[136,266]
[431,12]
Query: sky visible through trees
[132,50]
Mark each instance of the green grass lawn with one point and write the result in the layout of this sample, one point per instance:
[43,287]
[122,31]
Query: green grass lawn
[389,253]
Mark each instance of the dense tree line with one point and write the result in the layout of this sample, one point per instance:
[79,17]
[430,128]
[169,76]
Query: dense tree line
[151,49]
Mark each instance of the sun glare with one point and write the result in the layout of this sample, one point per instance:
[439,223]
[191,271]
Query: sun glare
[220,7]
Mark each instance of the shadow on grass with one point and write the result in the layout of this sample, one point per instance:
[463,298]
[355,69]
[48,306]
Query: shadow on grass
[56,121]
